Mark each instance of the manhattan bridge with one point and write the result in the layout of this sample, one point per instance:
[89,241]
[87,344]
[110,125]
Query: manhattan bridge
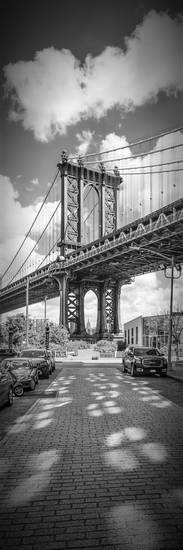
[106,218]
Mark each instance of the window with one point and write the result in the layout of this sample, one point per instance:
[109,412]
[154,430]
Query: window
[136,335]
[128,336]
[132,336]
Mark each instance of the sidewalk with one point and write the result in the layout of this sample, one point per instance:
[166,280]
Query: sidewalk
[176,372]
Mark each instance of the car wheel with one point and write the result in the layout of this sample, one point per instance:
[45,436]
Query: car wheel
[32,385]
[18,390]
[132,369]
[163,374]
[10,397]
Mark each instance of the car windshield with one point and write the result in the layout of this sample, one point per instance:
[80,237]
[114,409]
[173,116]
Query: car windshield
[17,364]
[146,351]
[33,353]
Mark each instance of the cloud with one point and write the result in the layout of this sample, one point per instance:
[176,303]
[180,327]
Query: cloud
[15,223]
[151,189]
[35,181]
[15,220]
[85,139]
[149,294]
[55,91]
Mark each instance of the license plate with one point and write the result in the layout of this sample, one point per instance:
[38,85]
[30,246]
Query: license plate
[153,370]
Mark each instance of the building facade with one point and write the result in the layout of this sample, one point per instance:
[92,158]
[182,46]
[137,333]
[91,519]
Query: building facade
[153,331]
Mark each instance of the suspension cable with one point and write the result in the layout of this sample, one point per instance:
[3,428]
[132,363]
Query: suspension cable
[36,242]
[121,170]
[28,232]
[138,155]
[140,142]
[151,165]
[42,261]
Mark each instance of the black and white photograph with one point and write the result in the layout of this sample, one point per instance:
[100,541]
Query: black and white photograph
[91,275]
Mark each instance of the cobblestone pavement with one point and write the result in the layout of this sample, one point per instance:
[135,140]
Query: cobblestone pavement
[95,464]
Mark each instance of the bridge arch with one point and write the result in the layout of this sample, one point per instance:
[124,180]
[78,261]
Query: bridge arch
[90,311]
[91,213]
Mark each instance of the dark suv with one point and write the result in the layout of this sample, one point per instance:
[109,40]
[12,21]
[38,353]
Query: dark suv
[39,357]
[143,360]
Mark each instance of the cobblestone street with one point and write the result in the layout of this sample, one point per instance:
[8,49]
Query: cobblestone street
[95,463]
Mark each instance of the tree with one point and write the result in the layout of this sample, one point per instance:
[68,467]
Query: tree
[177,329]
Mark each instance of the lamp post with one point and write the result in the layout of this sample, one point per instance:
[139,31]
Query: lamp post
[27,311]
[172,277]
[45,303]
[60,279]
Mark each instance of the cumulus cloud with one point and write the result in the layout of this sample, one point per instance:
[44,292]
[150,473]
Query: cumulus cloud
[16,221]
[149,294]
[85,139]
[35,181]
[151,179]
[54,91]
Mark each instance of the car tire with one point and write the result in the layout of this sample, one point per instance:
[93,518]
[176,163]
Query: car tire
[132,370]
[32,385]
[163,374]
[18,390]
[10,398]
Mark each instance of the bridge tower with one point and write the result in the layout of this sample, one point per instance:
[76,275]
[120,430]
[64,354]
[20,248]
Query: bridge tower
[89,211]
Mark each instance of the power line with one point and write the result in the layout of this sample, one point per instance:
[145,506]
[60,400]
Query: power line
[140,142]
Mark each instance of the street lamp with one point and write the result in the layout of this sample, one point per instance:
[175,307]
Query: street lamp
[172,277]
[60,279]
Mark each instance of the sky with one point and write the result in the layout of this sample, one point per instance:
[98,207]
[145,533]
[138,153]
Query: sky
[83,77]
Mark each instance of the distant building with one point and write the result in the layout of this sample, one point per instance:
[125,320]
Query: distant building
[88,327]
[38,324]
[151,331]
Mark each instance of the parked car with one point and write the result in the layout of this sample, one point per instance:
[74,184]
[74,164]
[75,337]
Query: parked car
[5,352]
[40,359]
[143,360]
[6,387]
[22,372]
[27,363]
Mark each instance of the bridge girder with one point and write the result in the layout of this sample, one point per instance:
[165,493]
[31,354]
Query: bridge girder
[109,259]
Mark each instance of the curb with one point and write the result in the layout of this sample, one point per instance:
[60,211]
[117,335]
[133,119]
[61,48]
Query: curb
[174,377]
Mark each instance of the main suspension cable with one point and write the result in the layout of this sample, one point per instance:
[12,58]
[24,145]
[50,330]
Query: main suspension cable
[140,142]
[36,243]
[28,232]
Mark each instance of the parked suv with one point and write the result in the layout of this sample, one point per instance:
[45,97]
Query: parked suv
[39,357]
[143,360]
